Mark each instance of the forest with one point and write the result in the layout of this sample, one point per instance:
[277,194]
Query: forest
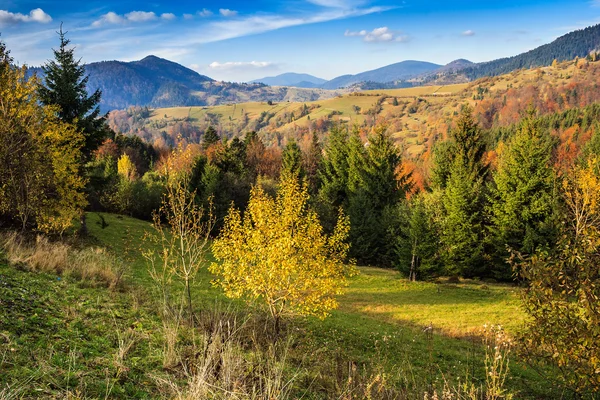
[505,195]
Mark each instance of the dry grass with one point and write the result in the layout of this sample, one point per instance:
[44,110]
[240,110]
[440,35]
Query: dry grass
[94,266]
[226,359]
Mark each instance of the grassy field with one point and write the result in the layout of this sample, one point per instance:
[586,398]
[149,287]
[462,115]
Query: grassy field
[59,338]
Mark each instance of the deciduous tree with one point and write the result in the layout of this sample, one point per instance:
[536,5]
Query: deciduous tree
[278,255]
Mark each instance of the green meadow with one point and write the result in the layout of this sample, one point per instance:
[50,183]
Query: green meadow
[63,338]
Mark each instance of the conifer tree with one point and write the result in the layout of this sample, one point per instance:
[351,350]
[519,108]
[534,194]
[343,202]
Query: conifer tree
[417,240]
[291,161]
[311,162]
[210,137]
[375,188]
[333,175]
[462,229]
[65,85]
[522,196]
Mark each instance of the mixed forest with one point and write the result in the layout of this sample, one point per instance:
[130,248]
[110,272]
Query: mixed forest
[209,256]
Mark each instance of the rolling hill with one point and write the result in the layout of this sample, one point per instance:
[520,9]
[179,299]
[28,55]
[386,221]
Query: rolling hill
[579,43]
[156,82]
[292,79]
[416,116]
[395,72]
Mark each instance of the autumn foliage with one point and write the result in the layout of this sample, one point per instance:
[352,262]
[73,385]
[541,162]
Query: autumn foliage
[277,254]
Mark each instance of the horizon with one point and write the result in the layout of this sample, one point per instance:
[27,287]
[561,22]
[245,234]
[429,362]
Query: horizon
[240,42]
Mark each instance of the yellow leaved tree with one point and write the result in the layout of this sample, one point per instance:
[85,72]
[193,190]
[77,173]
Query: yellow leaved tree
[563,296]
[278,254]
[40,183]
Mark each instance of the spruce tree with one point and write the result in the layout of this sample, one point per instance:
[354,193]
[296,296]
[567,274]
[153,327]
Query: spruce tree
[462,233]
[333,176]
[522,197]
[458,177]
[65,85]
[311,162]
[417,239]
[291,161]
[374,192]
[210,137]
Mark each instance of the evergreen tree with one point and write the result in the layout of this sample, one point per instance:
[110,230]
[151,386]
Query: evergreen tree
[333,175]
[311,162]
[443,156]
[65,85]
[210,137]
[417,240]
[291,161]
[468,143]
[374,190]
[522,197]
[462,229]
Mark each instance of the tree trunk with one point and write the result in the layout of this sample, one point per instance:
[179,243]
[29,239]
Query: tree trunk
[83,230]
[412,275]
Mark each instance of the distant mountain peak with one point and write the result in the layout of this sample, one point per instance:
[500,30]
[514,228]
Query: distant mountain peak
[291,79]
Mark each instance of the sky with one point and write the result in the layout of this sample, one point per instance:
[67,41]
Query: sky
[235,40]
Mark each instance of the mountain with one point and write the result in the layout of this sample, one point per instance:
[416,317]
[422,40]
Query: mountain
[579,43]
[292,79]
[152,81]
[395,72]
[155,82]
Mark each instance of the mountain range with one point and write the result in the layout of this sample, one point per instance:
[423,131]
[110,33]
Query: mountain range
[292,79]
[156,82]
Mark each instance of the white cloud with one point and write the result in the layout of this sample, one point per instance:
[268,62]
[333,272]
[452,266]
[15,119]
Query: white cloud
[205,13]
[109,18]
[140,16]
[223,30]
[468,33]
[595,3]
[36,15]
[238,65]
[188,16]
[358,33]
[226,12]
[383,34]
[134,17]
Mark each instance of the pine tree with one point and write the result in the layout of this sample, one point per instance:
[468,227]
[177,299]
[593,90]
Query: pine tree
[462,229]
[311,162]
[522,197]
[374,190]
[210,137]
[291,161]
[469,143]
[417,239]
[333,175]
[458,176]
[65,85]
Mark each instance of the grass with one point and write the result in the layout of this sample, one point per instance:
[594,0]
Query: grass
[457,310]
[59,338]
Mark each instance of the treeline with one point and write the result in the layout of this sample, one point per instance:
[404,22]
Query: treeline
[579,43]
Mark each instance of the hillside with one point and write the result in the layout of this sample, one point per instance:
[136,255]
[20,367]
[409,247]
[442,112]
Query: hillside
[417,116]
[579,43]
[395,72]
[292,79]
[156,82]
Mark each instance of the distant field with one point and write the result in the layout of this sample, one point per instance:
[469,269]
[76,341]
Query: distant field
[422,112]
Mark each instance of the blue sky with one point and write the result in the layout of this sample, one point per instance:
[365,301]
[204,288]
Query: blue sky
[244,40]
